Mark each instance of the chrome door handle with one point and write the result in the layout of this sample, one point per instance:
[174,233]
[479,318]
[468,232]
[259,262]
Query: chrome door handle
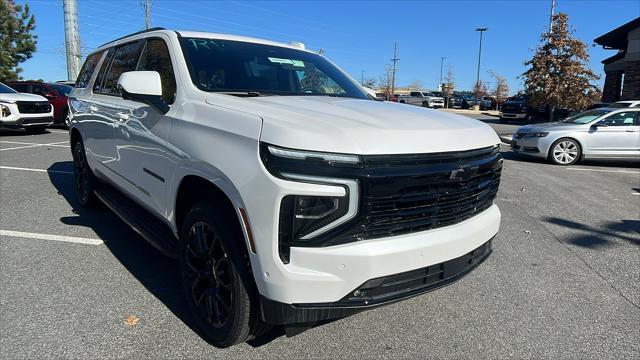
[122,117]
[93,108]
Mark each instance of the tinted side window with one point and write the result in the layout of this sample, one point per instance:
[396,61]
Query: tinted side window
[39,89]
[155,57]
[87,70]
[125,59]
[23,88]
[97,85]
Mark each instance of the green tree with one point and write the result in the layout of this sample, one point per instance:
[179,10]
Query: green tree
[557,75]
[17,41]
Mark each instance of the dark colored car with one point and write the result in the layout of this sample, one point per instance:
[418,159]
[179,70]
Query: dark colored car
[55,93]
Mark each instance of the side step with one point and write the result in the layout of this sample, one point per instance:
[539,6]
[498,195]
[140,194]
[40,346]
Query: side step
[152,229]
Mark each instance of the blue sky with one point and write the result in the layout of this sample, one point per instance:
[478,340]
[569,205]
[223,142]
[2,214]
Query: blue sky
[357,35]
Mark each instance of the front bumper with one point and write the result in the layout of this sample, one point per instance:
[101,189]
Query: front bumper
[377,292]
[538,147]
[27,121]
[506,115]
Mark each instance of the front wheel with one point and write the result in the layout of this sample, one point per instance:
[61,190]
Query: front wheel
[565,152]
[84,178]
[216,277]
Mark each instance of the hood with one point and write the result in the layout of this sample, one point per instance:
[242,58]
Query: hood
[548,126]
[11,97]
[364,127]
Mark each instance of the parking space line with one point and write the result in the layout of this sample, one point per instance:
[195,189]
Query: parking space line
[30,145]
[609,171]
[69,239]
[36,170]
[20,147]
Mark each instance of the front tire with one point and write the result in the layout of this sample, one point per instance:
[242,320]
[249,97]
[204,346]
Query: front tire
[216,277]
[84,178]
[565,152]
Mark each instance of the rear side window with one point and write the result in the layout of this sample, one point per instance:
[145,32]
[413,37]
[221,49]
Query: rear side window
[87,70]
[155,57]
[125,59]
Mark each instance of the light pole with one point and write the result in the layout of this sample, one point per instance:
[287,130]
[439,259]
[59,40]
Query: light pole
[362,77]
[477,90]
[441,64]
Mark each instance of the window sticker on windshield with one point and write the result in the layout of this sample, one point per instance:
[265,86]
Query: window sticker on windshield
[297,63]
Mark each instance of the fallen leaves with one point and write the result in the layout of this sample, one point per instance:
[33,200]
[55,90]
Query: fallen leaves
[131,320]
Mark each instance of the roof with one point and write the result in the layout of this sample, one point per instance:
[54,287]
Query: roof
[617,38]
[615,57]
[203,35]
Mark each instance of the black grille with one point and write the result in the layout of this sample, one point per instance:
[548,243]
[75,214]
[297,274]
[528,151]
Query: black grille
[435,191]
[519,135]
[33,107]
[512,108]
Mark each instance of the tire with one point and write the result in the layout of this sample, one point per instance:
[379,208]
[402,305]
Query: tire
[36,129]
[84,179]
[216,277]
[565,152]
[503,120]
[401,101]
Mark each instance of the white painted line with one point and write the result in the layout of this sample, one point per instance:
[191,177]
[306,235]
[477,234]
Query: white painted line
[635,193]
[609,171]
[36,170]
[58,131]
[70,239]
[19,147]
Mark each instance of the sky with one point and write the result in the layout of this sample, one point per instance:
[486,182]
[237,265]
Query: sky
[357,35]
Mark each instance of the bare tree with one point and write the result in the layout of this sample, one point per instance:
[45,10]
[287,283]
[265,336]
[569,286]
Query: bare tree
[557,75]
[501,90]
[480,89]
[384,83]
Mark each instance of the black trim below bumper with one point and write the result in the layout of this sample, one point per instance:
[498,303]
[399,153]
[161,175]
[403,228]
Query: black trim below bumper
[377,292]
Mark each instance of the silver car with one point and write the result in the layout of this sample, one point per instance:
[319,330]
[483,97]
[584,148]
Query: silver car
[605,133]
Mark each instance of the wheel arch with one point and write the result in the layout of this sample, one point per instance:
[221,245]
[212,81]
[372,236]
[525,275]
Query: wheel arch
[195,187]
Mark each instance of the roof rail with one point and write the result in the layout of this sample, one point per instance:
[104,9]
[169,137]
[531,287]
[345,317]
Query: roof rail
[135,33]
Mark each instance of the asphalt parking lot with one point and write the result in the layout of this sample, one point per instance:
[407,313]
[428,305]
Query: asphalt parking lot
[563,281]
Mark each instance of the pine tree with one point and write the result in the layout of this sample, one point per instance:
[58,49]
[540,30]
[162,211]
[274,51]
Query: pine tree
[557,75]
[17,41]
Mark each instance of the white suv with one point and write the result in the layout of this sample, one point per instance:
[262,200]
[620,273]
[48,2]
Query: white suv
[287,193]
[20,110]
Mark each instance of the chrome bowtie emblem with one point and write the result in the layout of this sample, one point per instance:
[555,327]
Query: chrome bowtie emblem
[463,173]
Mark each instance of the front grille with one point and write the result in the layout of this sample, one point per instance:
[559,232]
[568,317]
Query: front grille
[519,135]
[33,107]
[511,108]
[430,191]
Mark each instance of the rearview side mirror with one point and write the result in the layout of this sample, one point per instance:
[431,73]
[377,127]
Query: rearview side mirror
[143,86]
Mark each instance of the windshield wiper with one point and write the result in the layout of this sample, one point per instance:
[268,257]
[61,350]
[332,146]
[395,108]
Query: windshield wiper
[245,93]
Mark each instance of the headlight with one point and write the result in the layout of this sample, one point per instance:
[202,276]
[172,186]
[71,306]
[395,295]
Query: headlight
[305,220]
[5,110]
[537,134]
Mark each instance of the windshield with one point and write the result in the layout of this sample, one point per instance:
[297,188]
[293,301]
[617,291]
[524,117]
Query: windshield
[4,89]
[235,66]
[620,105]
[426,93]
[63,90]
[517,98]
[586,117]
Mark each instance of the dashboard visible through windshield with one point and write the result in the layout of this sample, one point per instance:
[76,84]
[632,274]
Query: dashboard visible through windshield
[238,67]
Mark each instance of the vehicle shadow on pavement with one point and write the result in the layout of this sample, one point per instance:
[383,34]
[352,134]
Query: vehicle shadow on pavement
[21,132]
[600,236]
[159,274]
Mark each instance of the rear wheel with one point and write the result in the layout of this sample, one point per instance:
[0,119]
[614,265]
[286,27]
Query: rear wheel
[84,178]
[216,277]
[565,152]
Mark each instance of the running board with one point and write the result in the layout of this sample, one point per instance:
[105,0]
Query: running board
[152,229]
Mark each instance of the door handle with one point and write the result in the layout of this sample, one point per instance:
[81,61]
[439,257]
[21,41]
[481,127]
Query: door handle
[630,130]
[93,108]
[122,116]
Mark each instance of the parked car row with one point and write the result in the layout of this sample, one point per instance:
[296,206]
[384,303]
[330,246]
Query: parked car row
[421,98]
